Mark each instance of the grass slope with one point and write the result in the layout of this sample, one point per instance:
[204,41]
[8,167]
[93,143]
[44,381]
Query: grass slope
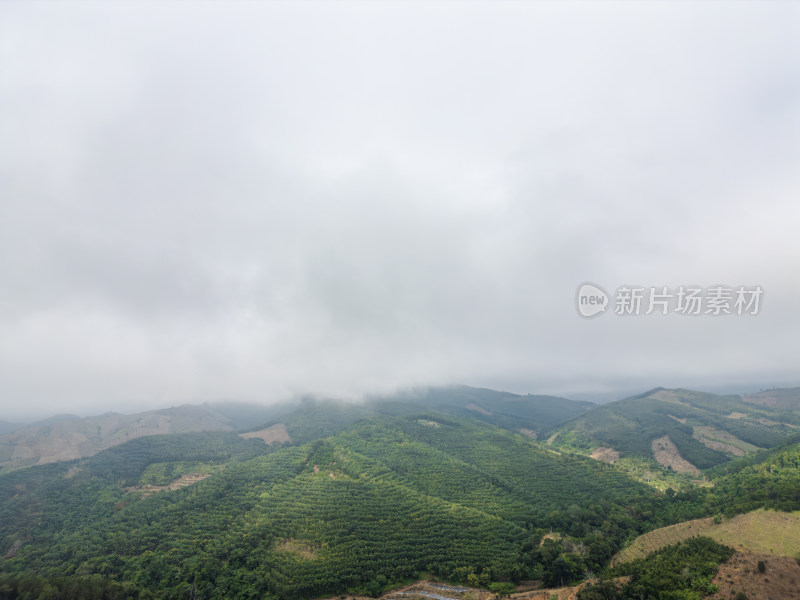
[761,531]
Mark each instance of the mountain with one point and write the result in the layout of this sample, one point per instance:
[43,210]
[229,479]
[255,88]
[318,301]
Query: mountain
[332,498]
[683,430]
[56,419]
[384,500]
[762,548]
[779,398]
[8,427]
[530,414]
[66,437]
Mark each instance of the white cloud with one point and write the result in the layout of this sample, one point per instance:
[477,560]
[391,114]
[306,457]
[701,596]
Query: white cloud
[254,200]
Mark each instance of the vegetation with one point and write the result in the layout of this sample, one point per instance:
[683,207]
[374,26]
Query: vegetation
[629,426]
[534,413]
[363,498]
[760,531]
[375,505]
[680,572]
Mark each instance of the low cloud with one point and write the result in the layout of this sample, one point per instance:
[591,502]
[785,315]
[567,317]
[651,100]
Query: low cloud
[257,201]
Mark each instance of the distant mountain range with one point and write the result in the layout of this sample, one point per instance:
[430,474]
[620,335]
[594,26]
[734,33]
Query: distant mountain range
[66,437]
[681,429]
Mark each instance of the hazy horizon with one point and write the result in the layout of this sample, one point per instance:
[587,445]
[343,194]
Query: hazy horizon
[134,407]
[201,201]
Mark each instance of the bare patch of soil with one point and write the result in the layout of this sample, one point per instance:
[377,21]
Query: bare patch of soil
[678,419]
[476,408]
[605,454]
[407,592]
[555,536]
[779,581]
[760,420]
[666,453]
[182,481]
[669,396]
[562,593]
[270,435]
[298,548]
[716,439]
[528,432]
[466,593]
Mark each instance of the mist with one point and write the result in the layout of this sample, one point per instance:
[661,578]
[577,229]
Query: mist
[205,201]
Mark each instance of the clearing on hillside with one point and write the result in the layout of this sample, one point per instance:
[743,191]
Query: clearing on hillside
[270,435]
[298,548]
[780,579]
[606,454]
[182,481]
[716,439]
[766,532]
[666,453]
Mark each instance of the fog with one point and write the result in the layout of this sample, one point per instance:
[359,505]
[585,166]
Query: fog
[251,201]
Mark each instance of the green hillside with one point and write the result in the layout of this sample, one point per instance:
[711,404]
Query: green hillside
[680,561]
[530,414]
[358,498]
[384,501]
[67,437]
[762,531]
[703,430]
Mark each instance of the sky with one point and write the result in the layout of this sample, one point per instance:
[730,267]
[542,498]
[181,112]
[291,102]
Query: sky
[258,200]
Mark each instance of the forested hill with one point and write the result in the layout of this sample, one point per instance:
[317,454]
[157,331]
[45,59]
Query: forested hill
[66,437]
[530,414]
[385,500]
[684,430]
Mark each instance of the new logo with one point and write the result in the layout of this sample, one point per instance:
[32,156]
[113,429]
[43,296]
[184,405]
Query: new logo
[592,300]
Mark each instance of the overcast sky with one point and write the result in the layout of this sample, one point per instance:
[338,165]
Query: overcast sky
[208,200]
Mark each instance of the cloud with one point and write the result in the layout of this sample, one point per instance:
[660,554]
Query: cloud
[254,201]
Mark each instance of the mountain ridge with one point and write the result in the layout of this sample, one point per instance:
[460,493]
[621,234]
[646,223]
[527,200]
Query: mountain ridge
[682,430]
[67,437]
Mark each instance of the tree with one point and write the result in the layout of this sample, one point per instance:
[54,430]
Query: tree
[602,590]
[502,589]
